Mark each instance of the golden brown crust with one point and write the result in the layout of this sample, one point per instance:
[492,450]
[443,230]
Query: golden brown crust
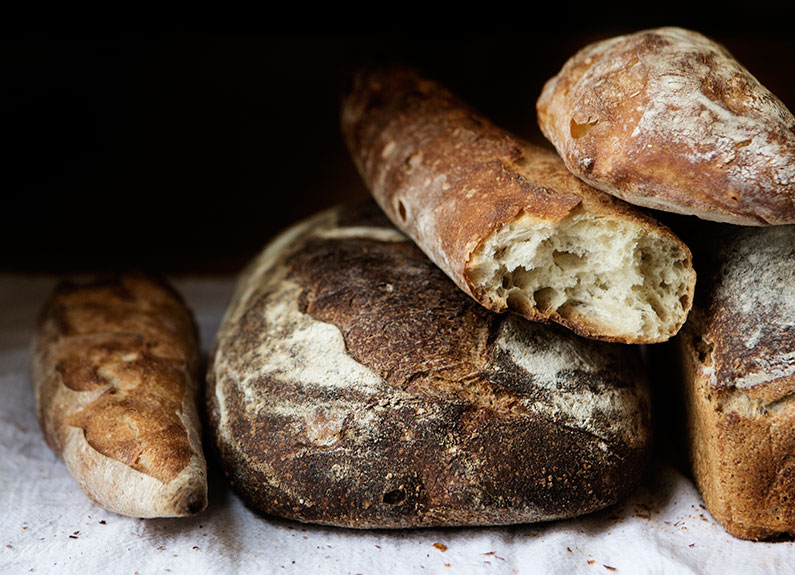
[449,178]
[443,174]
[115,371]
[667,119]
[738,350]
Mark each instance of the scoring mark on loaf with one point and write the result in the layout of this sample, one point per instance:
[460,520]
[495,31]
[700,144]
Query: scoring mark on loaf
[397,312]
[293,347]
[262,272]
[756,293]
[590,384]
[297,348]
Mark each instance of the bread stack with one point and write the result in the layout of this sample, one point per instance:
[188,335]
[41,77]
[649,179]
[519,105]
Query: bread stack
[365,375]
[390,392]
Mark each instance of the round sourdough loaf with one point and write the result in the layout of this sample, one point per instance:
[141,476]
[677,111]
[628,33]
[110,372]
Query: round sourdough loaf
[352,384]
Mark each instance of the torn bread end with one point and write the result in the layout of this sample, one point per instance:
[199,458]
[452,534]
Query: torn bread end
[611,275]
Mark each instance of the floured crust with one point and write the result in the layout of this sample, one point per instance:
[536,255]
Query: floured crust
[450,179]
[352,384]
[115,371]
[739,355]
[668,119]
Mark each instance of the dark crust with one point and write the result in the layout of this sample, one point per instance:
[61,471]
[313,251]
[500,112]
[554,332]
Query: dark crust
[742,456]
[337,276]
[449,178]
[450,441]
[642,170]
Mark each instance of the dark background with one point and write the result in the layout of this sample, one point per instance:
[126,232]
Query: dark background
[184,152]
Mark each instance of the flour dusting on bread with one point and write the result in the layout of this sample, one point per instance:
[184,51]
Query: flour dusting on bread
[668,119]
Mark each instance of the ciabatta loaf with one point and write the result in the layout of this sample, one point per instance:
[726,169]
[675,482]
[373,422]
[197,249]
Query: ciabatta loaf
[507,222]
[115,371]
[668,119]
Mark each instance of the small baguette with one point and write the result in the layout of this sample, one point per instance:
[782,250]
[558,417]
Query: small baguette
[507,222]
[738,351]
[115,372]
[668,119]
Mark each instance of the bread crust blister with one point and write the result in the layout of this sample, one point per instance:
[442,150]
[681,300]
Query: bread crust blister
[352,384]
[668,119]
[115,370]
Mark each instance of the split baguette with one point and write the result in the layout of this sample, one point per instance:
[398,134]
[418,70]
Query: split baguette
[353,384]
[668,119]
[115,372]
[738,349]
[507,222]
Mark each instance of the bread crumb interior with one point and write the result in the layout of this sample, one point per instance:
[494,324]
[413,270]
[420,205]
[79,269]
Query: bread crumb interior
[617,276]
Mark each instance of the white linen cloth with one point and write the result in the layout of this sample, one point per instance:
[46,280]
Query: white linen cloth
[47,525]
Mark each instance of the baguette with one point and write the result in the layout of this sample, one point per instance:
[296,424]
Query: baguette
[115,373]
[668,119]
[507,222]
[352,384]
[738,351]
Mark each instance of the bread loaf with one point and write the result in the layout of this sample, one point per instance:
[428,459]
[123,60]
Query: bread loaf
[668,119]
[507,222]
[115,372]
[738,348]
[352,384]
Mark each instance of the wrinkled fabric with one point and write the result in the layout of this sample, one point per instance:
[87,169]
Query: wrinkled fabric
[47,525]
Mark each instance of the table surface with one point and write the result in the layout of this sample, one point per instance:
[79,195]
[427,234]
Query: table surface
[47,525]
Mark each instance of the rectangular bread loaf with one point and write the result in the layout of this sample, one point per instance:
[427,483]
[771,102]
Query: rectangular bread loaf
[738,352]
